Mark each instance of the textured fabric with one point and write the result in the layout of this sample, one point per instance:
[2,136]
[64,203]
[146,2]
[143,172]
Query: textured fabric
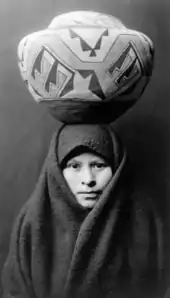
[59,249]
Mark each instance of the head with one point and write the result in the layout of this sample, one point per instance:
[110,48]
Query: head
[87,175]
[87,160]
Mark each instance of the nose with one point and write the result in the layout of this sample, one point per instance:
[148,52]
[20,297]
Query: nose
[88,178]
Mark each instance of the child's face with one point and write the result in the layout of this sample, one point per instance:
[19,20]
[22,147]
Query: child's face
[87,175]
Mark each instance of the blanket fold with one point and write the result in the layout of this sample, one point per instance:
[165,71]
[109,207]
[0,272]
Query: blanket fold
[58,249]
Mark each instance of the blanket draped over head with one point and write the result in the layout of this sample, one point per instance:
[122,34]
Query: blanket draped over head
[59,249]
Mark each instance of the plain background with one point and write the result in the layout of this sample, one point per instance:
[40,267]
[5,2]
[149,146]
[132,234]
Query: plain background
[26,128]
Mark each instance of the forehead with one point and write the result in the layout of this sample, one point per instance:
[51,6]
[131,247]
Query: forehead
[87,157]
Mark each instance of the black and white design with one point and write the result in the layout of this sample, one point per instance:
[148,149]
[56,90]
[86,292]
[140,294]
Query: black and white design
[56,79]
[85,46]
[127,69]
[88,44]
[94,85]
[50,74]
[82,83]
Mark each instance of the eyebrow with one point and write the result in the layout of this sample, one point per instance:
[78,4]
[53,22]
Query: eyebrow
[73,160]
[98,160]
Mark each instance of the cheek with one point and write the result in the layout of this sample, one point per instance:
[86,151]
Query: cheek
[71,179]
[104,178]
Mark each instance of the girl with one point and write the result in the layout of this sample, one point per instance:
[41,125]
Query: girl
[84,232]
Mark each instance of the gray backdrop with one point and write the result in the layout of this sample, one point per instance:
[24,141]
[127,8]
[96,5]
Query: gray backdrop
[26,128]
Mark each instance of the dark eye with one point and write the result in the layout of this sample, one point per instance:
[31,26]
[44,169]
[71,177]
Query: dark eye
[74,166]
[99,165]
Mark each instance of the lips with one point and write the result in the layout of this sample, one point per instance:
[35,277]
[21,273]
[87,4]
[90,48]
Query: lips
[91,194]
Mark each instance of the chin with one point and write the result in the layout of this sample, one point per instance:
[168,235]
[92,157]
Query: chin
[88,203]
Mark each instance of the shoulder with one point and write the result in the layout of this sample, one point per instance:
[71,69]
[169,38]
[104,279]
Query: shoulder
[145,206]
[148,230]
[146,214]
[25,222]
